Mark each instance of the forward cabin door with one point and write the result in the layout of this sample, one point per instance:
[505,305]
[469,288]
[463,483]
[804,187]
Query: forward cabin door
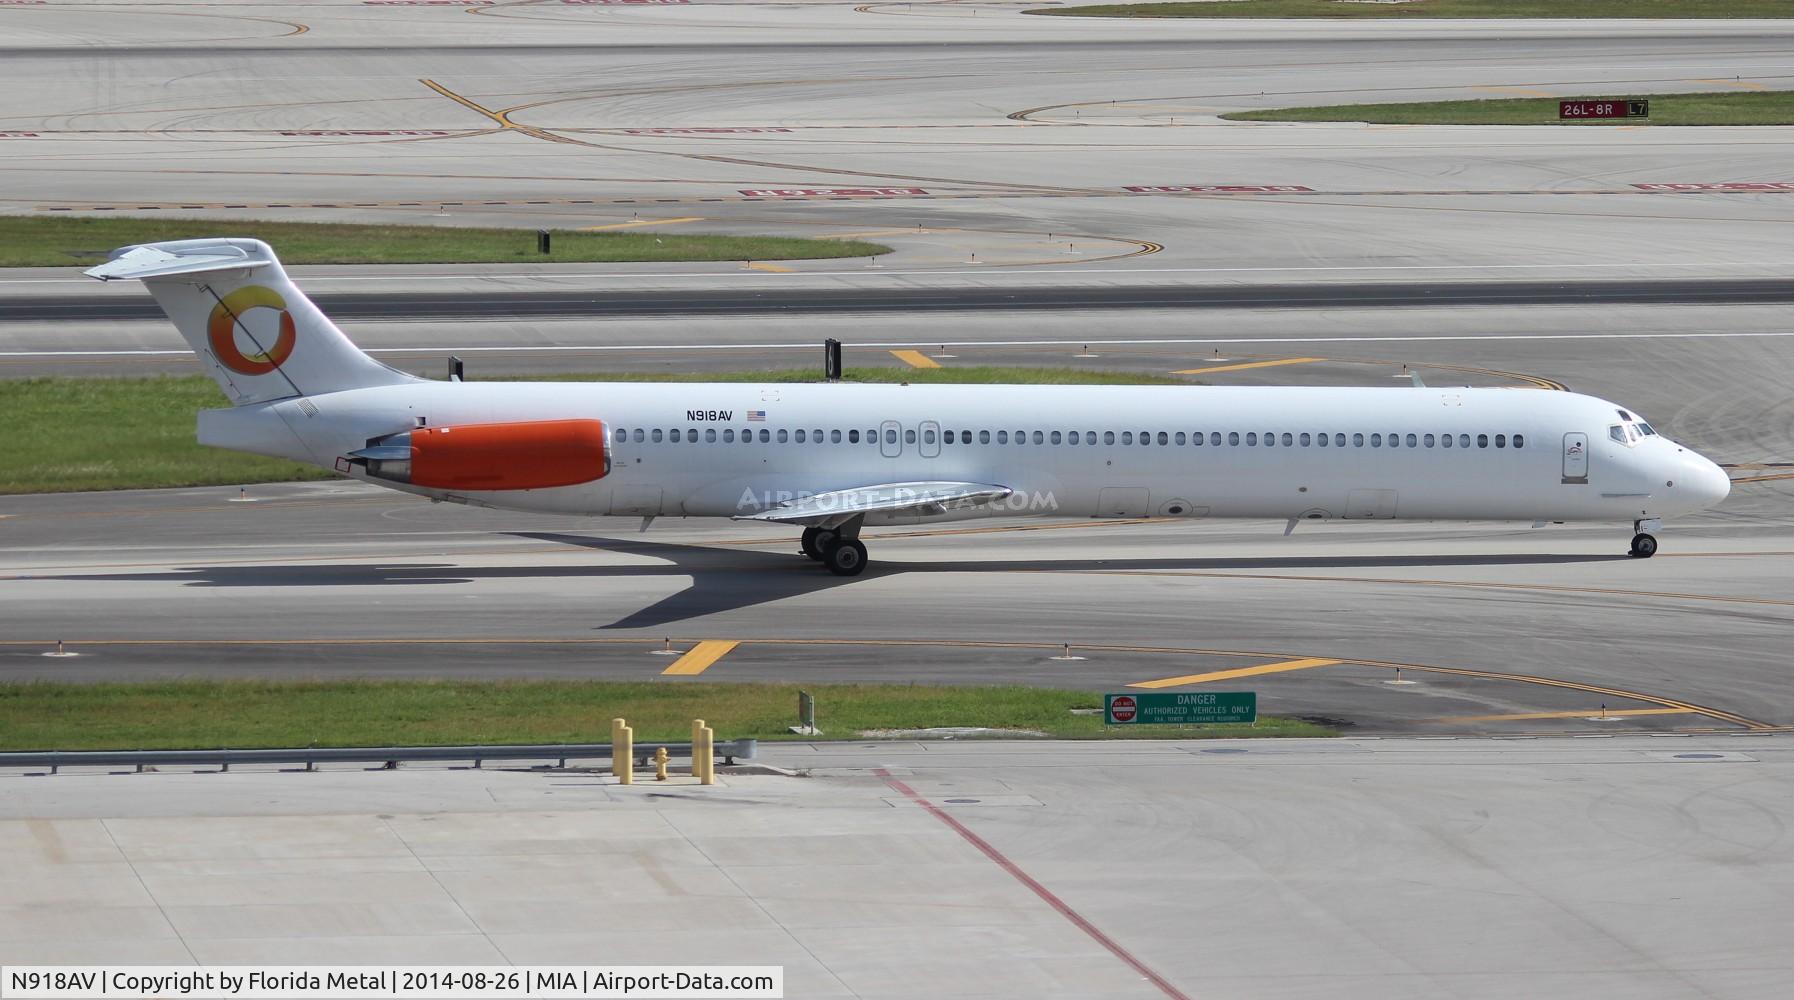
[1576,458]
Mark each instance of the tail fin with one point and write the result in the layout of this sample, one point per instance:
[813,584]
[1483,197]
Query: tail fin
[253,329]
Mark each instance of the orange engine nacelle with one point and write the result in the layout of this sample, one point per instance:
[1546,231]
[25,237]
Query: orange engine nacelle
[529,455]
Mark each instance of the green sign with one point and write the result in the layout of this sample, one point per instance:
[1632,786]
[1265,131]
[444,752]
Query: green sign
[1181,709]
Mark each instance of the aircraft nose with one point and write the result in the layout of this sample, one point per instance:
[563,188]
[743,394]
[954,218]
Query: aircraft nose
[1706,482]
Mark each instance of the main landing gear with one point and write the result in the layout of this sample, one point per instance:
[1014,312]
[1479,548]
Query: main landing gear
[1644,544]
[838,549]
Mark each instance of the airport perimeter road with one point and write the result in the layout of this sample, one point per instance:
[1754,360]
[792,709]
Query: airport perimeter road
[958,133]
[1491,629]
[1647,868]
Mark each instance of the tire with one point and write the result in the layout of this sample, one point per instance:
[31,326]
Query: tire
[1643,546]
[815,542]
[845,557]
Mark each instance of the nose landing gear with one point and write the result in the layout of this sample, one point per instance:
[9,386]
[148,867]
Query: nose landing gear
[1644,544]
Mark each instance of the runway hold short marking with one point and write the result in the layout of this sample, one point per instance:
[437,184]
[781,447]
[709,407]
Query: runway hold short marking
[1219,189]
[341,132]
[1726,186]
[17,135]
[831,192]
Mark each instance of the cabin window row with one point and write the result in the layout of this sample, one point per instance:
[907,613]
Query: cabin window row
[1214,439]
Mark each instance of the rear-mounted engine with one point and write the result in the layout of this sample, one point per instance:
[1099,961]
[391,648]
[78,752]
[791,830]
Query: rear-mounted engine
[529,455]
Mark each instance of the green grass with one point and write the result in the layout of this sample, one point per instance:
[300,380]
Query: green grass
[50,240]
[1554,9]
[242,714]
[1738,108]
[65,434]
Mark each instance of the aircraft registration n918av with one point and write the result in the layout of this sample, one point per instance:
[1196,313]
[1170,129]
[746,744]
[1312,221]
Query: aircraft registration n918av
[833,457]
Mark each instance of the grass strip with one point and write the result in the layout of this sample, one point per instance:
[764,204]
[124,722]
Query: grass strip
[52,240]
[65,434]
[193,714]
[1422,9]
[1732,108]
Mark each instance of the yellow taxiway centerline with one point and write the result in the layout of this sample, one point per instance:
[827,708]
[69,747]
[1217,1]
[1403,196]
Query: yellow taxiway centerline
[1582,714]
[915,359]
[641,222]
[1246,365]
[701,657]
[1227,675]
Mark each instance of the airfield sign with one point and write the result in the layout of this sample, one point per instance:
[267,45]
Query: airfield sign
[1181,708]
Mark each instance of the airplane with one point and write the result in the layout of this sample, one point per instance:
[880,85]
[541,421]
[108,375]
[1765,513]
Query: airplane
[832,458]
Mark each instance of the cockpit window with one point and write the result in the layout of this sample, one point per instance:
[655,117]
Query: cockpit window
[1617,432]
[1646,429]
[1627,417]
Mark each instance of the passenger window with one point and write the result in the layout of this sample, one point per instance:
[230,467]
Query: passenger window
[709,435]
[1305,439]
[984,437]
[1428,440]
[638,435]
[1463,440]
[1215,438]
[1270,438]
[1482,440]
[621,436]
[1376,440]
[798,435]
[834,437]
[1072,437]
[1288,439]
[1445,440]
[1002,437]
[1039,438]
[816,435]
[909,437]
[891,436]
[853,437]
[728,435]
[1055,437]
[1412,441]
[1178,438]
[1233,437]
[1127,437]
[1339,440]
[784,438]
[1196,438]
[656,435]
[927,436]
[1321,439]
[1108,437]
[947,437]
[1165,438]
[1357,440]
[1501,440]
[1251,438]
[1519,440]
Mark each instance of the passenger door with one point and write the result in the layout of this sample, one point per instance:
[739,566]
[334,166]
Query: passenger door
[1576,458]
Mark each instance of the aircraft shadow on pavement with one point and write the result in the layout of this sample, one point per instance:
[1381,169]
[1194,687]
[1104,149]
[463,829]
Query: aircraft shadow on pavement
[730,578]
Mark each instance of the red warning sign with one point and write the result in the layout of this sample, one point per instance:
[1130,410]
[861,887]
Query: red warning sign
[1218,189]
[1123,708]
[699,131]
[1727,186]
[830,192]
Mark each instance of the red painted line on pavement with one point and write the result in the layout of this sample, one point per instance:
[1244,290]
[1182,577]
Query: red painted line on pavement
[1046,895]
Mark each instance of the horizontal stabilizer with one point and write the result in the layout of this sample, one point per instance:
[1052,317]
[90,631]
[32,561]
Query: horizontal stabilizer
[837,506]
[168,260]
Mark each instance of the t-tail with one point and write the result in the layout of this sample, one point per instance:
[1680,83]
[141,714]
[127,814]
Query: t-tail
[253,329]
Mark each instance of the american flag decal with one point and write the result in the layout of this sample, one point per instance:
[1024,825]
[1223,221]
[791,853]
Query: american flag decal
[756,414]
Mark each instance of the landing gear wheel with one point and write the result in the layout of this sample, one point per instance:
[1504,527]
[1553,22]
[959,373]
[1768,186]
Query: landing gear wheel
[845,557]
[1643,546]
[815,541]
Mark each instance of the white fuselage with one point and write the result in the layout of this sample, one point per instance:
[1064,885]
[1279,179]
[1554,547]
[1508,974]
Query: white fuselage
[726,449]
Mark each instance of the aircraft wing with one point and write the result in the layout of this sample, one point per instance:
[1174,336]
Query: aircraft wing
[836,507]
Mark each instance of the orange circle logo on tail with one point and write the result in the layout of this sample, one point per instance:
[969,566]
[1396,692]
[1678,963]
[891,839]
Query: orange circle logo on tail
[222,333]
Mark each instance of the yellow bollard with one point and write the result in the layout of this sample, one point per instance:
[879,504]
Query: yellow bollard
[709,775]
[660,764]
[697,748]
[622,752]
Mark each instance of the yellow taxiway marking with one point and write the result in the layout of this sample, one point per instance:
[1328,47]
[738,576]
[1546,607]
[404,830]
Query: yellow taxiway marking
[642,222]
[1519,91]
[1583,714]
[883,232]
[701,657]
[915,359]
[1227,675]
[1740,84]
[760,265]
[1246,365]
[501,117]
